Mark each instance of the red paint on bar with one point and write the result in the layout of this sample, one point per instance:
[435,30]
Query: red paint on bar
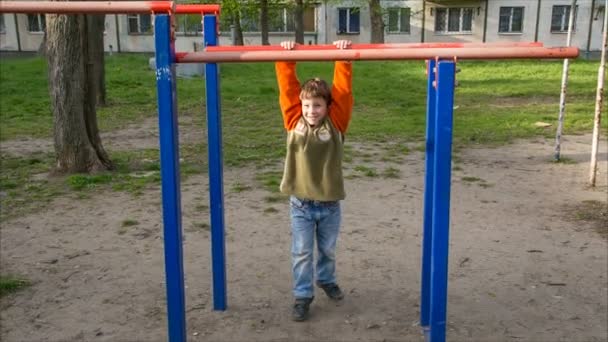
[196,9]
[371,46]
[272,55]
[77,7]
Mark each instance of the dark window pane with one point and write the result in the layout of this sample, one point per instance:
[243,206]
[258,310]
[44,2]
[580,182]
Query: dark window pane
[133,24]
[145,22]
[309,20]
[518,15]
[354,20]
[467,19]
[405,20]
[342,12]
[454,20]
[440,19]
[393,20]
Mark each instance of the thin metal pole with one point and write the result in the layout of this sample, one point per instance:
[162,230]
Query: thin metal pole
[564,87]
[216,182]
[425,293]
[441,195]
[598,102]
[170,181]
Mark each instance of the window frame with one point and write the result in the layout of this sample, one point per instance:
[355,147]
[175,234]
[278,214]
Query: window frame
[2,24]
[40,20]
[511,16]
[139,32]
[565,18]
[399,10]
[349,12]
[461,17]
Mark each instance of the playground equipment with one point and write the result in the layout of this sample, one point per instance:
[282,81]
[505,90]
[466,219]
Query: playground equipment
[441,60]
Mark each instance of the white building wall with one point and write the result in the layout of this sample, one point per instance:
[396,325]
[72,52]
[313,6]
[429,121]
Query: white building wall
[579,37]
[529,21]
[8,38]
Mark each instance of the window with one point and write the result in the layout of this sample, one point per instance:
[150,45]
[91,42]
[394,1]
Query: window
[511,19]
[348,20]
[189,24]
[36,22]
[282,19]
[399,20]
[453,20]
[139,23]
[560,18]
[2,27]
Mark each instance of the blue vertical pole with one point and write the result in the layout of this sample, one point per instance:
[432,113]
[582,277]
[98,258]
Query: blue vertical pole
[441,195]
[169,164]
[425,299]
[216,183]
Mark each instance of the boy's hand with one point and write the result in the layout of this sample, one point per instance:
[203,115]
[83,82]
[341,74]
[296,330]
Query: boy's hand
[342,44]
[288,45]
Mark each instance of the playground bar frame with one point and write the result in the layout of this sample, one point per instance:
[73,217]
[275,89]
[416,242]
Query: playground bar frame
[441,63]
[105,7]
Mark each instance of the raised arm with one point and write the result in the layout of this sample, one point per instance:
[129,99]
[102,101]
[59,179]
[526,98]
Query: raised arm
[289,93]
[341,108]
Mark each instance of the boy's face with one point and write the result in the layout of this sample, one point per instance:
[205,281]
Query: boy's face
[314,110]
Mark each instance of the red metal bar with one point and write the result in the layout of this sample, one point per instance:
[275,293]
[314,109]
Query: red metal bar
[75,7]
[370,46]
[272,55]
[197,9]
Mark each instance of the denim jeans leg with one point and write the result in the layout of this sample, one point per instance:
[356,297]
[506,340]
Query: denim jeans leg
[327,234]
[302,247]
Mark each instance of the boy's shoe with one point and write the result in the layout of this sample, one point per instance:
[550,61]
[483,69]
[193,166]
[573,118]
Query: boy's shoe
[332,290]
[300,309]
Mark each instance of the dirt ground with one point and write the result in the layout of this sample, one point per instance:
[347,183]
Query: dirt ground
[522,266]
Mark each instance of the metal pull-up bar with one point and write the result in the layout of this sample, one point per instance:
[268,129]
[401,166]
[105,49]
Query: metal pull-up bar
[370,52]
[105,7]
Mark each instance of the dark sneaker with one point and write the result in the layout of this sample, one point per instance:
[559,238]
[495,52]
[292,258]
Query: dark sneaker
[300,309]
[332,290]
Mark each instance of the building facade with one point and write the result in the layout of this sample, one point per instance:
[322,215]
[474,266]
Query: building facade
[405,21]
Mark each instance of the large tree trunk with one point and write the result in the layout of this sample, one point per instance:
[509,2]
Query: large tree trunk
[264,21]
[299,21]
[77,143]
[96,25]
[375,12]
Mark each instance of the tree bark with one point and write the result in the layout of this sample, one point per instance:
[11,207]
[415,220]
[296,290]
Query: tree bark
[238,30]
[264,21]
[299,21]
[78,146]
[96,23]
[375,12]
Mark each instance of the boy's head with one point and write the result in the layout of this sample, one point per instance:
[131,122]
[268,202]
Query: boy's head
[316,98]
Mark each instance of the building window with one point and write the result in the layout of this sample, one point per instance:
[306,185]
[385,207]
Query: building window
[283,19]
[348,20]
[560,18]
[453,20]
[511,19]
[2,27]
[36,22]
[399,20]
[139,23]
[189,24]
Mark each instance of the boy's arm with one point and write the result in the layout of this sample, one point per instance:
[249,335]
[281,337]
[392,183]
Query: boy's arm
[342,95]
[289,93]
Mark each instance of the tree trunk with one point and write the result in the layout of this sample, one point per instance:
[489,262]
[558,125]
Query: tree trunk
[96,23]
[77,143]
[375,12]
[238,30]
[299,21]
[264,21]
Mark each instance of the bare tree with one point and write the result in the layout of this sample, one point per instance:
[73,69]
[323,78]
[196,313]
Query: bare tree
[72,86]
[299,21]
[96,61]
[264,21]
[377,24]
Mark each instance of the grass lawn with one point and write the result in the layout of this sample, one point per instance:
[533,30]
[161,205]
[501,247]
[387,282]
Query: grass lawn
[496,102]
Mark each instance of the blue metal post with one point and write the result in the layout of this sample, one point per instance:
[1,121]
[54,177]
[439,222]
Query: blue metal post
[216,183]
[425,299]
[169,163]
[441,195]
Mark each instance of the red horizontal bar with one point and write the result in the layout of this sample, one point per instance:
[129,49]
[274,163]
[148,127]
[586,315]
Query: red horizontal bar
[75,7]
[272,55]
[197,9]
[370,46]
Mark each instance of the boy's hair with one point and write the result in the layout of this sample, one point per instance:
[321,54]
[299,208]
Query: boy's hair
[316,87]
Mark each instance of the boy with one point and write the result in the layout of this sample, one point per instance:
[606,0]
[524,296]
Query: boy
[316,118]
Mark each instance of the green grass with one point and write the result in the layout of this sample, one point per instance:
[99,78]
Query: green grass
[10,284]
[496,102]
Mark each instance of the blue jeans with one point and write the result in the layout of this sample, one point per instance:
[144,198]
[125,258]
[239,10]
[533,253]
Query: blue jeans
[310,219]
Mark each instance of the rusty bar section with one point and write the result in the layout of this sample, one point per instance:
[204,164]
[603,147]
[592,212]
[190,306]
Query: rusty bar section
[75,7]
[197,9]
[369,46]
[271,54]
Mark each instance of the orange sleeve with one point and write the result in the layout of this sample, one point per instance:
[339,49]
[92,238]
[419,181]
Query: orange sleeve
[340,110]
[289,93]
